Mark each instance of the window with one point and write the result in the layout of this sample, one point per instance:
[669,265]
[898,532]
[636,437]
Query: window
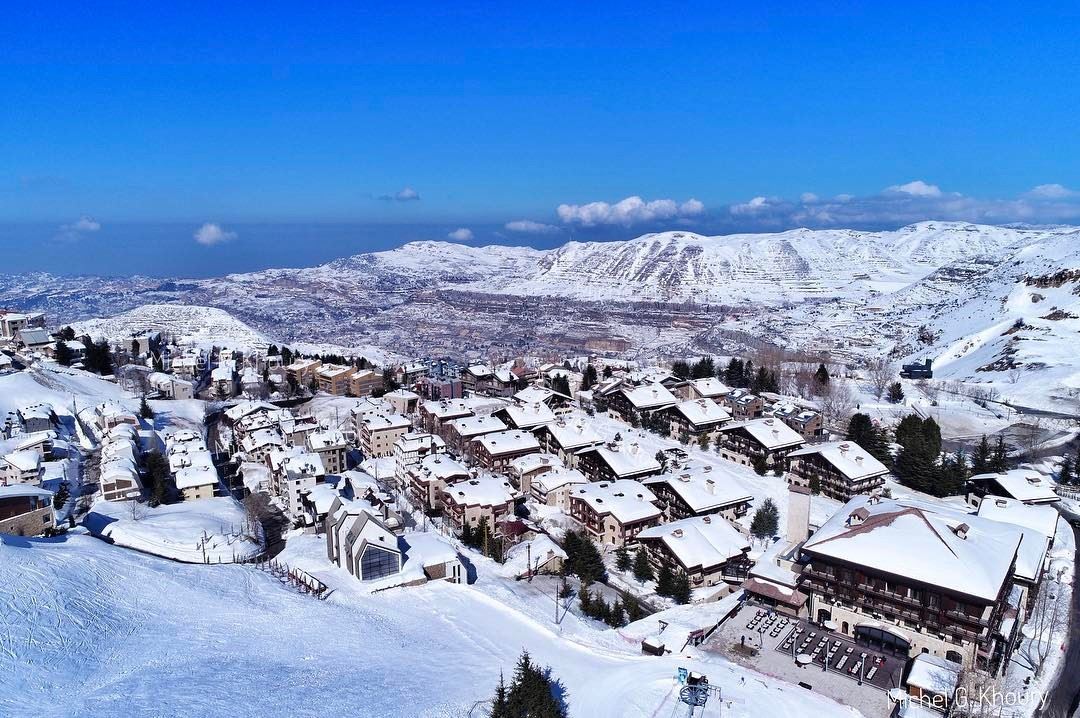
[378,563]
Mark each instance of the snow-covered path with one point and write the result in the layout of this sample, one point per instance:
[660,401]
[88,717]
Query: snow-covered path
[88,629]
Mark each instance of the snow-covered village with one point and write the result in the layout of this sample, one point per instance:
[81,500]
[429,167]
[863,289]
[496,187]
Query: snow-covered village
[539,360]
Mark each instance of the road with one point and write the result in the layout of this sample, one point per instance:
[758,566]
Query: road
[1063,699]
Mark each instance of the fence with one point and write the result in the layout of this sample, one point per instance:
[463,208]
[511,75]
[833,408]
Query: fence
[296,578]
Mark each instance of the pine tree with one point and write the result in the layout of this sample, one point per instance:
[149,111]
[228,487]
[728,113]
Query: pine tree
[63,493]
[703,442]
[766,520]
[63,355]
[623,562]
[144,409]
[585,600]
[760,464]
[680,369]
[747,375]
[1000,460]
[589,380]
[467,534]
[616,615]
[665,581]
[500,706]
[632,607]
[981,458]
[1065,471]
[896,393]
[821,376]
[643,570]
[681,589]
[702,368]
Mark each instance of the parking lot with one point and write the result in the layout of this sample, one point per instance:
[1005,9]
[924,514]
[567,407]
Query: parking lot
[799,652]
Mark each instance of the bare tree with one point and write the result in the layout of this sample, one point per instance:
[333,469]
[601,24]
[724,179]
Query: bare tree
[879,372]
[980,695]
[837,403]
[1014,374]
[138,510]
[1048,621]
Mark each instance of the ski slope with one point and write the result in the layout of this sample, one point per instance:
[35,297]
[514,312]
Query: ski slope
[88,629]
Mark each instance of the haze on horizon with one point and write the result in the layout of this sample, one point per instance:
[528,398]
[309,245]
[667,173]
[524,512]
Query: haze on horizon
[206,140]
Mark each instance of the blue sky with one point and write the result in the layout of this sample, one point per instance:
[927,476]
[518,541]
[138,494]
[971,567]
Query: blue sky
[299,135]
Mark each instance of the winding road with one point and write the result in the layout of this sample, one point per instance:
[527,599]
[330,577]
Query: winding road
[1063,699]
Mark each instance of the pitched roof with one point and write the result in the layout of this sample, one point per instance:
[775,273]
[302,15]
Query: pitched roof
[770,433]
[1023,484]
[650,396]
[704,541]
[847,457]
[626,500]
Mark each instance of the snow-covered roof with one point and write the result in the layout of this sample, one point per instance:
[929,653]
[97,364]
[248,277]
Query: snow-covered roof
[934,674]
[378,422]
[480,371]
[540,550]
[626,460]
[934,545]
[650,396]
[1023,484]
[203,474]
[18,490]
[536,394]
[447,408]
[330,371]
[304,464]
[440,466]
[475,425]
[402,394]
[626,500]
[222,373]
[710,387]
[702,411]
[705,488]
[507,442]
[770,433]
[326,439]
[572,434]
[1039,517]
[429,549]
[558,478]
[36,411]
[322,497]
[238,412]
[27,460]
[847,457]
[699,540]
[531,462]
[419,441]
[530,416]
[369,406]
[481,491]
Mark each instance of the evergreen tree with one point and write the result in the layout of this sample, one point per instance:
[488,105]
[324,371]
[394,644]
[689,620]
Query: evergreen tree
[680,369]
[982,457]
[585,600]
[632,607]
[561,384]
[1065,471]
[157,471]
[144,409]
[467,534]
[616,615]
[500,706]
[916,465]
[821,376]
[680,591]
[589,380]
[862,431]
[665,581]
[748,374]
[531,692]
[760,464]
[766,520]
[1000,460]
[702,368]
[63,493]
[932,435]
[909,430]
[896,392]
[623,562]
[733,373]
[703,442]
[67,334]
[643,570]
[64,356]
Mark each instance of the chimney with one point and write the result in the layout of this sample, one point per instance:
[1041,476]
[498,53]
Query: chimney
[706,519]
[634,448]
[858,460]
[677,533]
[798,514]
[684,478]
[961,530]
[844,448]
[710,486]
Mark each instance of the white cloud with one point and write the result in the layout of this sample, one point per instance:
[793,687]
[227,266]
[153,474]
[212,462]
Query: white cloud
[1052,191]
[527,226]
[75,230]
[808,198]
[757,204]
[462,234]
[632,210]
[210,234]
[405,194]
[916,188]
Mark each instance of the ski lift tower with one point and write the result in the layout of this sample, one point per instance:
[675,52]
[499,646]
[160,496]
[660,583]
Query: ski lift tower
[694,694]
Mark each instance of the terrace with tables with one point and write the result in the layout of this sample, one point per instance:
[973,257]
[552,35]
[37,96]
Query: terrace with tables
[800,652]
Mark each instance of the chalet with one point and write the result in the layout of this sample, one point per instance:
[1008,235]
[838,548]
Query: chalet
[907,578]
[482,498]
[26,510]
[294,472]
[198,480]
[707,388]
[807,422]
[614,512]
[357,541]
[223,379]
[838,469]
[460,433]
[377,434]
[435,388]
[436,558]
[435,413]
[331,446]
[566,437]
[1024,485]
[171,387]
[411,449]
[112,413]
[640,400]
[12,322]
[33,339]
[335,378]
[542,395]
[697,417]
[482,379]
[21,467]
[427,480]
[528,417]
[932,681]
[259,444]
[771,440]
[553,488]
[495,451]
[614,460]
[743,405]
[708,549]
[236,412]
[525,468]
[703,491]
[119,481]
